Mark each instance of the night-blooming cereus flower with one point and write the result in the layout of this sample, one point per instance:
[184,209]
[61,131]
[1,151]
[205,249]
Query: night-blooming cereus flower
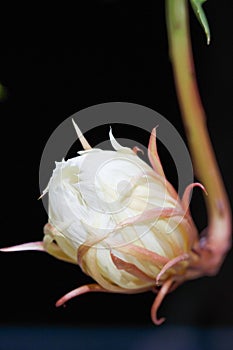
[121,221]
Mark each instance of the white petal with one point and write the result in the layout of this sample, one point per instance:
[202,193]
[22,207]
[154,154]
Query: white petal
[116,144]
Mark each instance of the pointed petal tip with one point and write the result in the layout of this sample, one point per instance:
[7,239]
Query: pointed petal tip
[41,196]
[154,130]
[116,145]
[59,303]
[25,246]
[153,154]
[110,132]
[81,137]
[44,192]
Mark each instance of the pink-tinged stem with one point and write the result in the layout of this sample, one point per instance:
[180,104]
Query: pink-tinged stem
[218,240]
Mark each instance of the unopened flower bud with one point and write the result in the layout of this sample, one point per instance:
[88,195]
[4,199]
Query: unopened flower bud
[120,220]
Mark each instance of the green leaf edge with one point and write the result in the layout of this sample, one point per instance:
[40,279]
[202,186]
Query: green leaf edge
[200,14]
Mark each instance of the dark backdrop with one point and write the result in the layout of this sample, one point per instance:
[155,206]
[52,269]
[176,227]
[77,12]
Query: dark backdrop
[55,62]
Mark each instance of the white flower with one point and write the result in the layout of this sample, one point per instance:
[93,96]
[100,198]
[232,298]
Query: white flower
[120,220]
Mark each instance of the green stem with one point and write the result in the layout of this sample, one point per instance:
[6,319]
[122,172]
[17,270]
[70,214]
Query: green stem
[205,165]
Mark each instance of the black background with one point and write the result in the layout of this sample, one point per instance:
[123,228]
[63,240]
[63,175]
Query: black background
[55,62]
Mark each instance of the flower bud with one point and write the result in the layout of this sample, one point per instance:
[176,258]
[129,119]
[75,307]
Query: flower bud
[120,220]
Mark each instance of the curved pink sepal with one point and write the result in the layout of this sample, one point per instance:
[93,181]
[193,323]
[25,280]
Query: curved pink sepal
[131,268]
[170,264]
[186,196]
[79,291]
[158,300]
[143,254]
[151,214]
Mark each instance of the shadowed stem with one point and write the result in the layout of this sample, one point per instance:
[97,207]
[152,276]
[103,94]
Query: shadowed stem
[218,238]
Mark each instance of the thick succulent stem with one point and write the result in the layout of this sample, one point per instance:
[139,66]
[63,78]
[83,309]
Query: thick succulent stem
[218,239]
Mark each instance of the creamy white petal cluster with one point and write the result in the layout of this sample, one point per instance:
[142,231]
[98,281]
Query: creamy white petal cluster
[120,220]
